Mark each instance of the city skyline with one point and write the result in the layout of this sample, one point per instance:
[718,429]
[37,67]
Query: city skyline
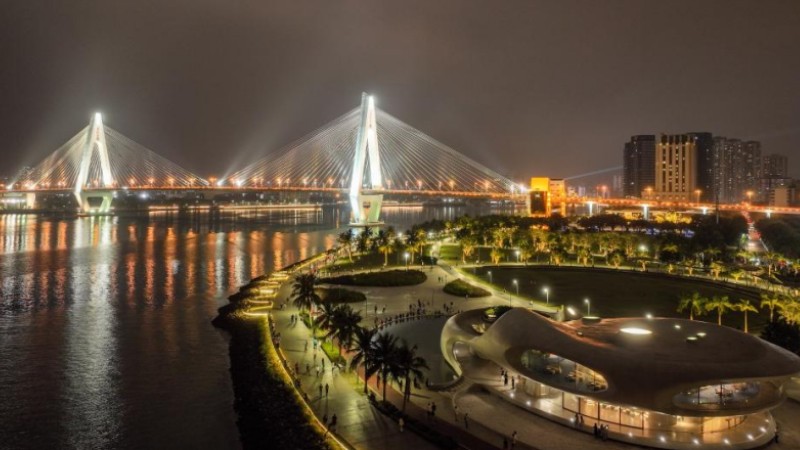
[174,98]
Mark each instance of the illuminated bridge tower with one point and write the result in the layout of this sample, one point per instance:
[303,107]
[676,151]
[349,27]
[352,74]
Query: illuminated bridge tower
[96,200]
[366,208]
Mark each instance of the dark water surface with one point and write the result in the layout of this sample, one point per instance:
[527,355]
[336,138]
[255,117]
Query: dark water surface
[105,334]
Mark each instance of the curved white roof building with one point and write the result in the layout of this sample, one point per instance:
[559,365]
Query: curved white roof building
[667,383]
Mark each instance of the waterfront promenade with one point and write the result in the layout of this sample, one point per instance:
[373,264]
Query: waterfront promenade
[490,418]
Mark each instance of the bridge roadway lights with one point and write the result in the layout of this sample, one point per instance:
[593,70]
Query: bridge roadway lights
[96,202]
[17,200]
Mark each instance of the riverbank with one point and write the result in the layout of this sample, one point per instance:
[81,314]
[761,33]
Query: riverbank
[269,409]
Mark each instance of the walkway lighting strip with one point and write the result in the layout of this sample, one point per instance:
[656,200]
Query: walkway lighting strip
[636,331]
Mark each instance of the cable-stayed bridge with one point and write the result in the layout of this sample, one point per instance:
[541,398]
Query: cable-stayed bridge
[364,154]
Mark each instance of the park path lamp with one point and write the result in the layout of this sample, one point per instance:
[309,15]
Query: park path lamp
[405,256]
[517,252]
[516,285]
[588,306]
[546,291]
[490,277]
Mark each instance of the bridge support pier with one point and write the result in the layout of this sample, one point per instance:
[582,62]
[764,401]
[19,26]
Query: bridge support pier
[17,200]
[95,202]
[366,209]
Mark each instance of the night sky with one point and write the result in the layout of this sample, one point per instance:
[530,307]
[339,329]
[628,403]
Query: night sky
[525,87]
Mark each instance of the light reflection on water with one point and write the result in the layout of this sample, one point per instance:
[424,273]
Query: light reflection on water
[105,334]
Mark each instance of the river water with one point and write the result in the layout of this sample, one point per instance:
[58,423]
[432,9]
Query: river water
[105,333]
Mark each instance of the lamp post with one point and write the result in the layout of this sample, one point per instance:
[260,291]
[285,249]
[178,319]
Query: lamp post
[697,193]
[517,252]
[546,291]
[490,277]
[405,256]
[588,306]
[516,285]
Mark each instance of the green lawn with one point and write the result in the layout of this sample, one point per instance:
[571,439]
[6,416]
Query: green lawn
[620,294]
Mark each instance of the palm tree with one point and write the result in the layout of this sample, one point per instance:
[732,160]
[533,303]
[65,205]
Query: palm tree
[720,304]
[364,240]
[694,303]
[362,348]
[716,269]
[771,301]
[421,239]
[346,240]
[325,318]
[411,244]
[409,367]
[385,243]
[343,325]
[384,349]
[745,307]
[305,296]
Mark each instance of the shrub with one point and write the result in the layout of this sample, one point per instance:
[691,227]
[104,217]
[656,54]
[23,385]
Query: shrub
[388,278]
[461,288]
[341,295]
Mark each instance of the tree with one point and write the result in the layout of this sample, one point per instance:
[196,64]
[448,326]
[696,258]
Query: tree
[364,240]
[384,349]
[467,247]
[409,367]
[783,334]
[496,254]
[716,269]
[303,292]
[343,324]
[771,301]
[325,318]
[362,348]
[421,239]
[745,307]
[385,242]
[617,259]
[694,303]
[346,241]
[720,304]
[790,310]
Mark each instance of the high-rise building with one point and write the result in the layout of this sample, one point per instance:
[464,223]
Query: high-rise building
[737,169]
[676,168]
[775,166]
[639,165]
[704,145]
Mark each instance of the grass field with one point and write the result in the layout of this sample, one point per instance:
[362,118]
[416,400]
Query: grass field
[621,294]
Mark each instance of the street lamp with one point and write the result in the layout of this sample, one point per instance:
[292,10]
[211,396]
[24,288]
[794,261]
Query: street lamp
[697,192]
[546,291]
[405,256]
[517,252]
[588,306]
[516,285]
[749,196]
[490,277]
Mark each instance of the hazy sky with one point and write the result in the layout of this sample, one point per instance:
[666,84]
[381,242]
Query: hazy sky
[526,87]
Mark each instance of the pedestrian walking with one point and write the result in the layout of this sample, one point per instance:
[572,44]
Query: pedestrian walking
[513,438]
[326,389]
[333,422]
[512,382]
[320,390]
[466,421]
[595,430]
[401,423]
[455,411]
[305,347]
[505,443]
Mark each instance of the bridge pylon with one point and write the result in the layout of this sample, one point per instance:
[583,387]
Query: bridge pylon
[366,209]
[95,139]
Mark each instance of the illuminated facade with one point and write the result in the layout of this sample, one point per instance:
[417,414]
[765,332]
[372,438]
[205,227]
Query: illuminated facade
[665,383]
[540,198]
[676,167]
